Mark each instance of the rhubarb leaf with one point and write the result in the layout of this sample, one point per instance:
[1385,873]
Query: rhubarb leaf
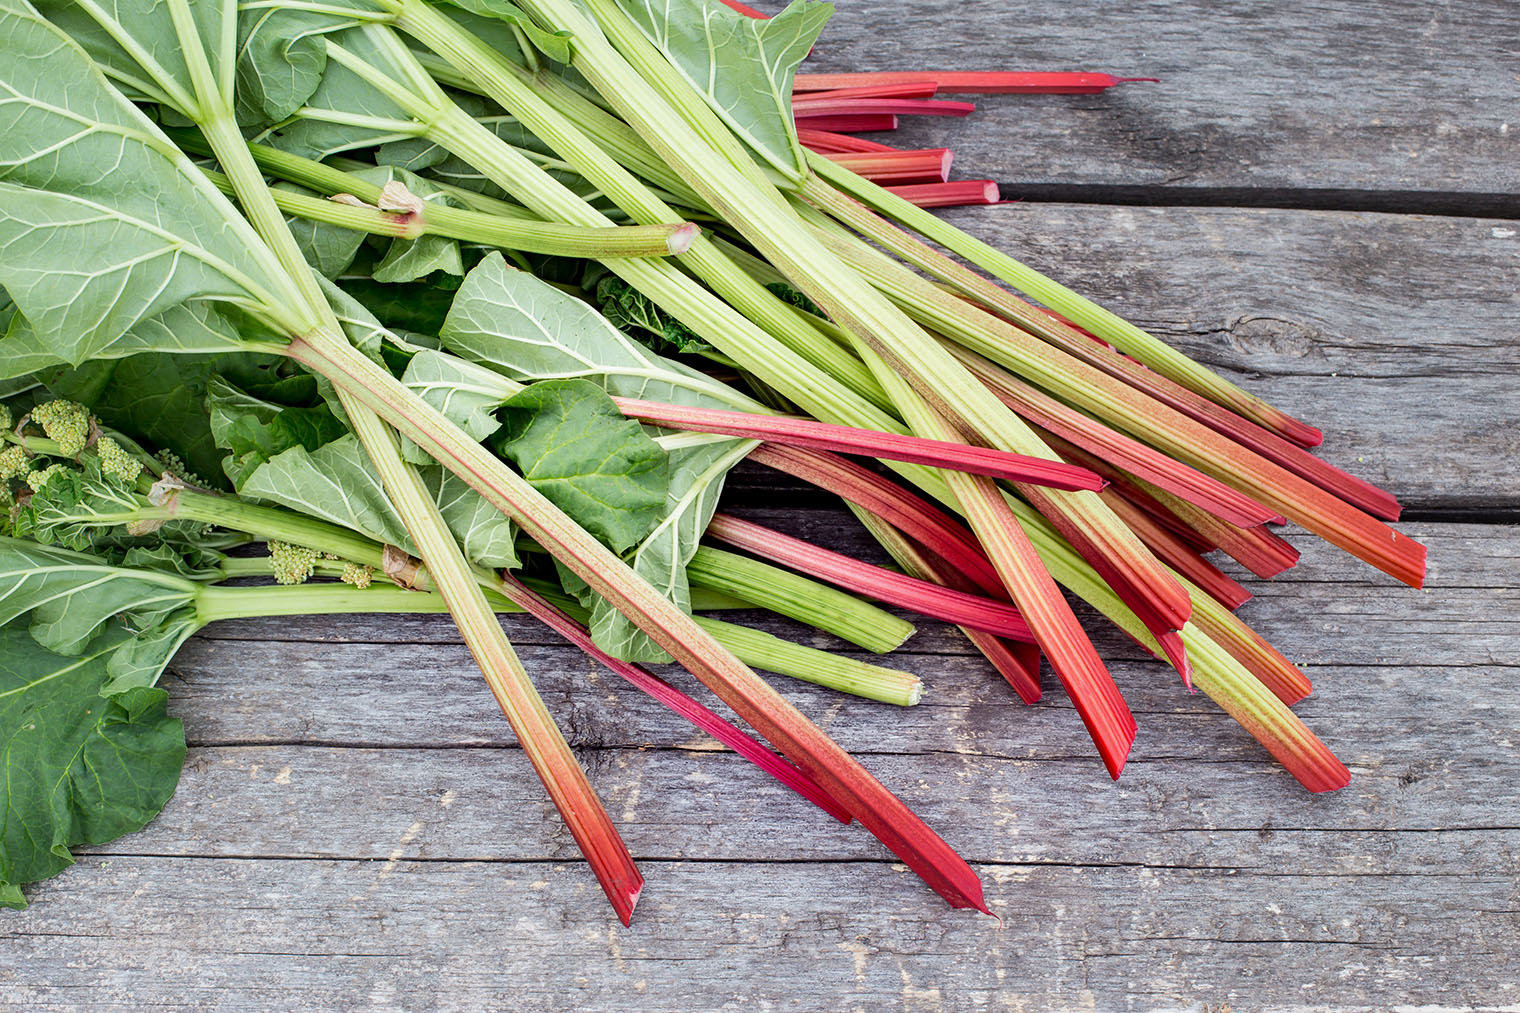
[77,769]
[574,446]
[696,481]
[466,394]
[555,45]
[87,171]
[630,310]
[742,66]
[67,596]
[253,430]
[337,483]
[526,329]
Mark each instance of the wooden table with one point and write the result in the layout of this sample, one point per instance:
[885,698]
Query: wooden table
[1314,201]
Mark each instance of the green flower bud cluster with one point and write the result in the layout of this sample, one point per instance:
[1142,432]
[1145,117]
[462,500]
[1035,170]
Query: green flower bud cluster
[116,461]
[38,479]
[359,576]
[14,462]
[292,564]
[65,423]
[5,417]
[176,467]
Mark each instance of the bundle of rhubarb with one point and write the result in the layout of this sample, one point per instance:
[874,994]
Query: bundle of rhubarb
[410,306]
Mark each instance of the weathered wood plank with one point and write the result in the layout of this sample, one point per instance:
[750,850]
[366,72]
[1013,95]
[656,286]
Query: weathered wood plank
[292,801]
[393,935]
[1337,94]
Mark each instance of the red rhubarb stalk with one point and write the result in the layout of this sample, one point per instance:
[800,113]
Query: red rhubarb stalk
[699,715]
[828,143]
[904,510]
[908,89]
[848,123]
[746,10]
[1110,445]
[1258,549]
[863,578]
[949,195]
[1265,716]
[1249,648]
[807,105]
[928,165]
[800,432]
[972,82]
[1175,553]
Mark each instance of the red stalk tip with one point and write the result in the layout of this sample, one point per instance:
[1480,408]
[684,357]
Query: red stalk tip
[827,143]
[973,82]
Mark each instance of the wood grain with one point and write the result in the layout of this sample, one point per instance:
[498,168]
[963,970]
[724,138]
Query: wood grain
[1263,101]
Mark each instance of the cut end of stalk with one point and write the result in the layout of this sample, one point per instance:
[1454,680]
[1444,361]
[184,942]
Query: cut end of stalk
[944,195]
[682,237]
[630,901]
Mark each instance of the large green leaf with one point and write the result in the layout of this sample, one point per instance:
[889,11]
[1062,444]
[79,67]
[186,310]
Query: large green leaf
[742,66]
[104,223]
[68,596]
[574,446]
[77,768]
[336,482]
[252,430]
[526,329]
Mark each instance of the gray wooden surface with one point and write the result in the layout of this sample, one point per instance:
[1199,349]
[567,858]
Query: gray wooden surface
[355,829]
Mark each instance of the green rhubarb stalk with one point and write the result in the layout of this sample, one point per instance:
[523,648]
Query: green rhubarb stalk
[1110,327]
[532,100]
[1124,407]
[475,227]
[823,668]
[798,597]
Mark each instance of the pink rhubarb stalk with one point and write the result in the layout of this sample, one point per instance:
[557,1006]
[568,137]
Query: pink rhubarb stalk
[1110,445]
[972,82]
[903,509]
[949,195]
[700,716]
[800,432]
[927,165]
[848,123]
[827,143]
[1175,553]
[909,89]
[851,574]
[807,105]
